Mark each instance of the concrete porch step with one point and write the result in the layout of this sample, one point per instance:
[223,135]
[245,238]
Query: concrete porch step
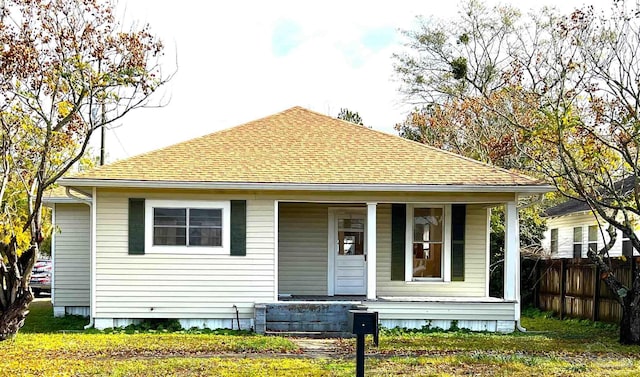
[306,318]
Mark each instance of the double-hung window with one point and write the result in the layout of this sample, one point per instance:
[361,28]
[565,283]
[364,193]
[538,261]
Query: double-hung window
[429,249]
[593,238]
[577,242]
[176,225]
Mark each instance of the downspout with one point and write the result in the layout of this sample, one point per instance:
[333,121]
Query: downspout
[94,212]
[88,200]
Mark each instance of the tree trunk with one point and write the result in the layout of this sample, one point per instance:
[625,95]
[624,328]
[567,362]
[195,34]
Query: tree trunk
[630,323]
[13,318]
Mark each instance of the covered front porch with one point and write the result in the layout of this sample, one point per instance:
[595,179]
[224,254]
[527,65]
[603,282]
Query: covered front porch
[417,263]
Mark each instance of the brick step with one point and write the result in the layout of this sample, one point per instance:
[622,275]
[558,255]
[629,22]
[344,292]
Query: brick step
[308,317]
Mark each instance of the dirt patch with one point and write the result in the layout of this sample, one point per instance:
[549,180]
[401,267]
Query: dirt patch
[318,348]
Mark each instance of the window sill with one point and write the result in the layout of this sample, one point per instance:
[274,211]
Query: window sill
[191,250]
[424,282]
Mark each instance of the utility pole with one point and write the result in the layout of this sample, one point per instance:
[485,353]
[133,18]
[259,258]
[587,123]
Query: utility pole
[102,132]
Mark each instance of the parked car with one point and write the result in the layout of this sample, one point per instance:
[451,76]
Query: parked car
[41,277]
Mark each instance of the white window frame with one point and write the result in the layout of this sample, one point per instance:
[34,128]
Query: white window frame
[225,206]
[596,241]
[552,250]
[446,244]
[574,242]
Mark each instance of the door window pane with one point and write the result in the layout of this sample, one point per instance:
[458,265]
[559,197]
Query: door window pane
[351,243]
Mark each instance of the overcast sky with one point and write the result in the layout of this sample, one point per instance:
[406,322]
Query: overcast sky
[241,60]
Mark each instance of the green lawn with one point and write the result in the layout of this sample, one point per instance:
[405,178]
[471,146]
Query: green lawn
[550,348]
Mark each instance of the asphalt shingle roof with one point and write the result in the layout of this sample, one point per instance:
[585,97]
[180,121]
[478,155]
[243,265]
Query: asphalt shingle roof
[623,187]
[302,146]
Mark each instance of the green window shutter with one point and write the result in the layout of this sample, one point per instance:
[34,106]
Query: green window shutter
[458,219]
[239,227]
[136,226]
[398,240]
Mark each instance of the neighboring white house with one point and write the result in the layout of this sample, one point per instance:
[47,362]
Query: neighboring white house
[572,229]
[295,206]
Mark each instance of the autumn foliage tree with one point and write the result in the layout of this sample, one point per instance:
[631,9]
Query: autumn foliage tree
[450,70]
[563,103]
[62,62]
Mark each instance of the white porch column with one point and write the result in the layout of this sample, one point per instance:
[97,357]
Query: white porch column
[512,255]
[371,250]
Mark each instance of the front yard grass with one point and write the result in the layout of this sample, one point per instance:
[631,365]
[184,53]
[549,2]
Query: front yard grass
[550,348]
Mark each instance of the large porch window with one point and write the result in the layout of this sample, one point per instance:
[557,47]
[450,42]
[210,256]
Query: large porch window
[429,229]
[427,242]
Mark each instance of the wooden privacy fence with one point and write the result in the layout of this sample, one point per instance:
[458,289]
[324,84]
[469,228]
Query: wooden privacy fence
[573,288]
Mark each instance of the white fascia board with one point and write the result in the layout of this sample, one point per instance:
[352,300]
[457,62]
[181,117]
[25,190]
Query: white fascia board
[80,182]
[60,200]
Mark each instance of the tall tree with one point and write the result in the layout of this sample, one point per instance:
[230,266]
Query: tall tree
[350,116]
[61,62]
[566,98]
[448,69]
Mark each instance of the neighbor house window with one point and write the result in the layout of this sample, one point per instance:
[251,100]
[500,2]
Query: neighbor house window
[554,241]
[428,241]
[173,225]
[593,238]
[627,247]
[577,242]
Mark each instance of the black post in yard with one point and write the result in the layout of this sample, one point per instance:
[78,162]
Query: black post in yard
[360,355]
[362,323]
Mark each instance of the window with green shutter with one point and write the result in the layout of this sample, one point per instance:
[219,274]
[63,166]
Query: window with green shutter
[193,226]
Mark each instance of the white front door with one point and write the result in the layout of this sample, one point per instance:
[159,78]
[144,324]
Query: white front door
[350,253]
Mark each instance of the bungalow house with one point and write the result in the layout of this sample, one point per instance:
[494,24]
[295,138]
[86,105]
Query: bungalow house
[294,211]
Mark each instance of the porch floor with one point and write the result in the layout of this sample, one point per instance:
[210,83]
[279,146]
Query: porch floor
[363,299]
[322,298]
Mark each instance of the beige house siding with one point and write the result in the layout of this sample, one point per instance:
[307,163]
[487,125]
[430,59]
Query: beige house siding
[475,260]
[190,284]
[200,284]
[302,248]
[72,255]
